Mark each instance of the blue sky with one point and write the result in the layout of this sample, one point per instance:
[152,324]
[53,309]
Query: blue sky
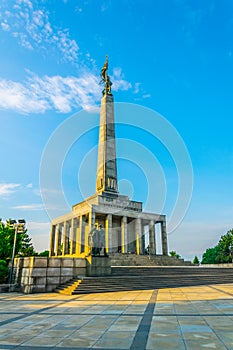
[174,57]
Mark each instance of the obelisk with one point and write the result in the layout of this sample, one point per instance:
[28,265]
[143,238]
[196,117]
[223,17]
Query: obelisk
[106,179]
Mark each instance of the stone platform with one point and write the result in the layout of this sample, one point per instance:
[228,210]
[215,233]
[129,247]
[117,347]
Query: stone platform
[184,318]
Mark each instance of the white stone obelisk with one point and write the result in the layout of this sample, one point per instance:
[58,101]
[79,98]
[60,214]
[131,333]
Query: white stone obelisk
[106,179]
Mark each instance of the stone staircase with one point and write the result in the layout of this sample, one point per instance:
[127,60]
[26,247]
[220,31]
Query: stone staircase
[69,287]
[146,278]
[118,259]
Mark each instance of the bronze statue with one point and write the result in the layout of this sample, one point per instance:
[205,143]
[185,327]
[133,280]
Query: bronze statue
[93,240]
[96,241]
[105,79]
[104,71]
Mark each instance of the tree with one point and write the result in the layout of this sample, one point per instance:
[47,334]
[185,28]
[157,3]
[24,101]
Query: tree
[196,260]
[174,253]
[7,233]
[3,271]
[222,252]
[7,240]
[26,248]
[45,253]
[210,255]
[225,248]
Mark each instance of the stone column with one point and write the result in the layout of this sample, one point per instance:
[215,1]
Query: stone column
[152,242]
[75,226]
[124,235]
[58,240]
[138,230]
[92,220]
[164,237]
[85,233]
[52,241]
[72,237]
[65,247]
[91,225]
[78,235]
[108,233]
[142,240]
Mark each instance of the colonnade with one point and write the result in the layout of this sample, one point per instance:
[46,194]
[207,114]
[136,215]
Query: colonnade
[123,234]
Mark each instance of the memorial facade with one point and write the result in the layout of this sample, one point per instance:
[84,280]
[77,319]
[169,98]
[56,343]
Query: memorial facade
[124,223]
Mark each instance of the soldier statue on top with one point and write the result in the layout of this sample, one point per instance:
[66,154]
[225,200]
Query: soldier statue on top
[105,79]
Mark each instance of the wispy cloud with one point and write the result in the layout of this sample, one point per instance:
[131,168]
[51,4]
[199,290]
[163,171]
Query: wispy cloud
[146,96]
[29,207]
[32,28]
[136,88]
[8,188]
[119,81]
[40,94]
[30,24]
[38,227]
[37,95]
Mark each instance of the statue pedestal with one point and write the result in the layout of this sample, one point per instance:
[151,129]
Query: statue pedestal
[98,266]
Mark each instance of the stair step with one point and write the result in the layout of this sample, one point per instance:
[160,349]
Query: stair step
[147,278]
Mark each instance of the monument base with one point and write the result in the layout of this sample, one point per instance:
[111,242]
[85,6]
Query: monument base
[40,274]
[98,266]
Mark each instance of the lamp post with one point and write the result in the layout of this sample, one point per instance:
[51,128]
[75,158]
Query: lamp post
[19,228]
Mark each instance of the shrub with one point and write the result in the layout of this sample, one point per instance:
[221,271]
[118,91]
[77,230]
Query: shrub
[4,271]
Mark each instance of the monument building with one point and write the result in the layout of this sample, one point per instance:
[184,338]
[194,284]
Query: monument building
[121,221]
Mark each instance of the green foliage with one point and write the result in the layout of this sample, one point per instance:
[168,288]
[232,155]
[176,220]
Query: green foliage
[196,261]
[222,252]
[26,248]
[210,255]
[23,247]
[7,241]
[174,253]
[44,253]
[4,270]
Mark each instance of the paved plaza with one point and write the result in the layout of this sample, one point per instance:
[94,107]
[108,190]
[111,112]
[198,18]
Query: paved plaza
[175,318]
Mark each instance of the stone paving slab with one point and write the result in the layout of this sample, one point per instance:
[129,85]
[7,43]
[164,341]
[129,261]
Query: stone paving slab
[186,318]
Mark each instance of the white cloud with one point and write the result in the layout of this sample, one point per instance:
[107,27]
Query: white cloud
[37,95]
[30,24]
[118,80]
[33,29]
[40,94]
[8,188]
[136,88]
[5,26]
[29,207]
[16,96]
[146,96]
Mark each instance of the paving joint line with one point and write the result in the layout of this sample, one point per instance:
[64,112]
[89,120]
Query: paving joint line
[220,290]
[142,333]
[36,312]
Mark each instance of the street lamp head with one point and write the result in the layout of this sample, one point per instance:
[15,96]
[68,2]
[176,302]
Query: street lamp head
[12,222]
[21,221]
